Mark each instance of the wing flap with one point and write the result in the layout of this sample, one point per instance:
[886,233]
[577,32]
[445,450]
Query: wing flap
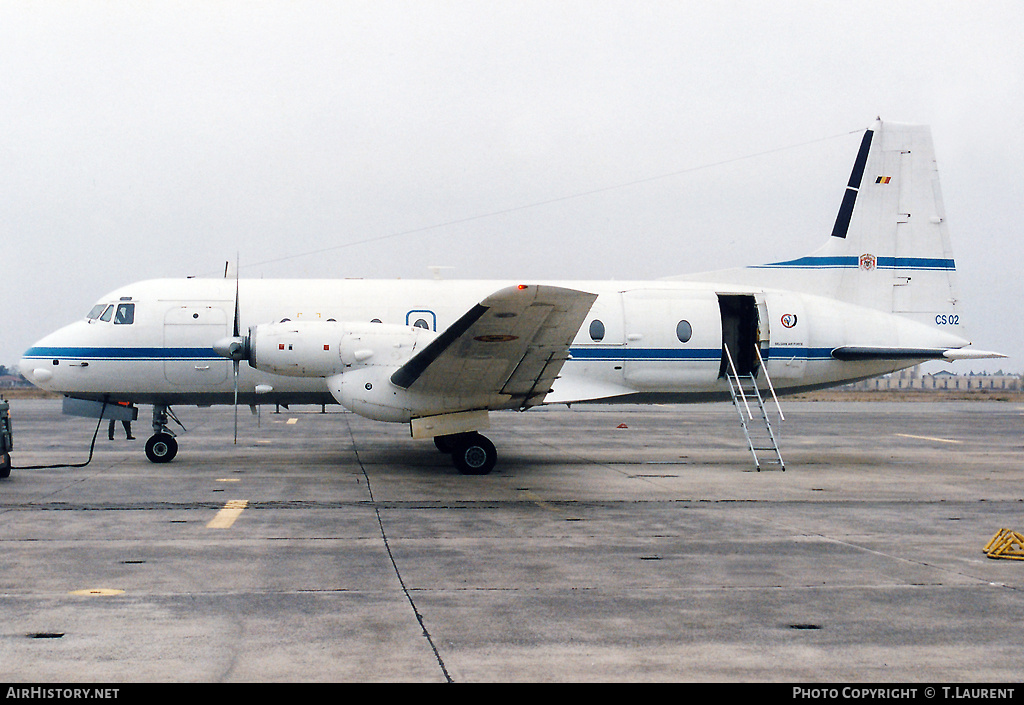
[512,344]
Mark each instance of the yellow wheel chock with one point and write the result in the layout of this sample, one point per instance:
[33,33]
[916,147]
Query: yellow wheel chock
[1005,544]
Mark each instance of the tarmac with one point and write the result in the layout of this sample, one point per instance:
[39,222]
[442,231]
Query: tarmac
[611,544]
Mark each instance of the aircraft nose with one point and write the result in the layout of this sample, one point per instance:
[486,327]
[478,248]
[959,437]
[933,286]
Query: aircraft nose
[34,369]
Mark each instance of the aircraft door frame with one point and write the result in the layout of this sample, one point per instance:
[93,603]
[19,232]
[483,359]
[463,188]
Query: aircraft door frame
[741,331]
[190,330]
[763,327]
[660,356]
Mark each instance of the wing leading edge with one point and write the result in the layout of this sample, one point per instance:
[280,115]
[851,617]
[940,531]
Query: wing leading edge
[512,343]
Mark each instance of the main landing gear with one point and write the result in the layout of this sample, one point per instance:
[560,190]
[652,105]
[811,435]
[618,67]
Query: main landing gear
[161,446]
[472,453]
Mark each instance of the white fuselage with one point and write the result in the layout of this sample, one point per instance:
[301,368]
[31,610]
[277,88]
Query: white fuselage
[652,341]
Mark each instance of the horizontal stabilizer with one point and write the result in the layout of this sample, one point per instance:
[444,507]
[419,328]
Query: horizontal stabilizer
[853,353]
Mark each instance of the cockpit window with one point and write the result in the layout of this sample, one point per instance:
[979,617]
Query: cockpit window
[107,313]
[125,314]
[95,311]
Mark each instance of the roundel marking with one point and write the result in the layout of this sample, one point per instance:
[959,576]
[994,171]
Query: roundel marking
[789,320]
[496,338]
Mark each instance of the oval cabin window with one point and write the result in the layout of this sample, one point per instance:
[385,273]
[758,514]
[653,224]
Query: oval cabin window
[596,331]
[683,331]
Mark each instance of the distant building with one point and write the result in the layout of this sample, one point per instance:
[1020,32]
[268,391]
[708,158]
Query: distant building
[12,381]
[912,379]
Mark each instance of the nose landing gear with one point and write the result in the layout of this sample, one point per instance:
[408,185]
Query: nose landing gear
[161,446]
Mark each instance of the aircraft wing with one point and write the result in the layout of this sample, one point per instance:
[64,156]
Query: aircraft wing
[512,343]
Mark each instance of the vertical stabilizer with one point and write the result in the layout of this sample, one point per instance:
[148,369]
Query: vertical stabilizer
[889,248]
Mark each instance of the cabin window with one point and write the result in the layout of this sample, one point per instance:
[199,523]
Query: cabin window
[125,314]
[95,311]
[596,331]
[421,323]
[375,320]
[107,313]
[683,331]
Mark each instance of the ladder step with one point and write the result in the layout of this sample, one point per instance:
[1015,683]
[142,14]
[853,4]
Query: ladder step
[746,394]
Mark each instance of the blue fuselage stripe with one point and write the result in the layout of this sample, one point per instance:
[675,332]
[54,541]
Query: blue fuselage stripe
[623,354]
[853,262]
[121,354]
[592,354]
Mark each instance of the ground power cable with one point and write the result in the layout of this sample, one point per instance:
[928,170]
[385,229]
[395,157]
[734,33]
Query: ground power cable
[92,447]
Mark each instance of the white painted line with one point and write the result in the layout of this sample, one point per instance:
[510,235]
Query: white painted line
[928,438]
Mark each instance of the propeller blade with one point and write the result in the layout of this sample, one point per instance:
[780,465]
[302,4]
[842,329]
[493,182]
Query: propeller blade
[235,365]
[235,358]
[234,330]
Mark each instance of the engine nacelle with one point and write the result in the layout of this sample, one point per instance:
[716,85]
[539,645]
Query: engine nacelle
[327,348]
[370,393]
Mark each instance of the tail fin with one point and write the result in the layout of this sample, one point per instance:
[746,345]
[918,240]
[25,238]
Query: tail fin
[889,248]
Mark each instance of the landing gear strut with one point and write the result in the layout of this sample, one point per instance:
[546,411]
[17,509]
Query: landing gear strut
[472,453]
[161,446]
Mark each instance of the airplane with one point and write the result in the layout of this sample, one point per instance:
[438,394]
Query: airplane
[880,295]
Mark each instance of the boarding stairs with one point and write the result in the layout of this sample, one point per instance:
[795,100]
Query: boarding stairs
[750,404]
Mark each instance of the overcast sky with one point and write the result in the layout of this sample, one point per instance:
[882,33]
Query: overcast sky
[549,139]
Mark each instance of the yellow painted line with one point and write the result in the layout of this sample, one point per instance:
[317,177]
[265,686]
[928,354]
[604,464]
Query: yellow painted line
[291,422]
[928,438]
[97,592]
[226,516]
[538,501]
[227,479]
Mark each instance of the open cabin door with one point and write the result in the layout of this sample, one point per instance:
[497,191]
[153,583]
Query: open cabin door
[742,332]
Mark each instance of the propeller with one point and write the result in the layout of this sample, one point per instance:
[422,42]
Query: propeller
[235,348]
